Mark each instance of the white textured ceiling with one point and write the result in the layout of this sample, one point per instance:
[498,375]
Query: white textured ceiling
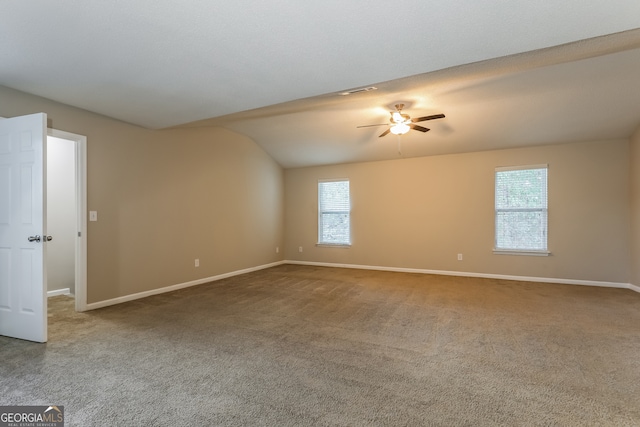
[270,70]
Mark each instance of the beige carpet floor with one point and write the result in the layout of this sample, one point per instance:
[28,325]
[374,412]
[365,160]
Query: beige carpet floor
[312,346]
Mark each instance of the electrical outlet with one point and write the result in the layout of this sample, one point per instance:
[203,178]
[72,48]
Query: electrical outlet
[299,248]
[459,257]
[197,263]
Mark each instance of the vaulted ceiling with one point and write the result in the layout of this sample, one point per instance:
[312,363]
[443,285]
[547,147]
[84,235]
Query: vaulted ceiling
[505,74]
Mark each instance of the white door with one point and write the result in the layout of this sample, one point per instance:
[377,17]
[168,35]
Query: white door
[23,299]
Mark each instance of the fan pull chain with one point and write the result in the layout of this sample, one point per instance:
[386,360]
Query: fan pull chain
[399,146]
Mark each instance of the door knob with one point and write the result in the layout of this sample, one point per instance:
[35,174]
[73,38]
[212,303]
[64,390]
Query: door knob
[48,238]
[34,238]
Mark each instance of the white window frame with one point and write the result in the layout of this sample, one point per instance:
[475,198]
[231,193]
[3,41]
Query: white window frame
[516,251]
[320,242]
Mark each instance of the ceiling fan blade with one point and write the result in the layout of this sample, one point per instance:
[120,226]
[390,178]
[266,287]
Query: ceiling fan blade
[368,126]
[422,119]
[386,132]
[420,128]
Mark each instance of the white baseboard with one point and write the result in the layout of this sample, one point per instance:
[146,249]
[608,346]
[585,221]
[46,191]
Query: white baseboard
[634,288]
[65,291]
[469,274]
[145,294]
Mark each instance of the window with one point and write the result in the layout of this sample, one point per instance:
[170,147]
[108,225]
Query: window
[521,210]
[334,207]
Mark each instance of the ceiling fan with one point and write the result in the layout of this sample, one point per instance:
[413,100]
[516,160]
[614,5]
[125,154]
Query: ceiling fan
[400,123]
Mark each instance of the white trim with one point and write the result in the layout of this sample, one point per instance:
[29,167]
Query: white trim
[334,245]
[332,179]
[171,288]
[520,252]
[56,292]
[471,274]
[521,167]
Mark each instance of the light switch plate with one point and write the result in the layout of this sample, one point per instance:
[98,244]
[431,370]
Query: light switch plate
[93,215]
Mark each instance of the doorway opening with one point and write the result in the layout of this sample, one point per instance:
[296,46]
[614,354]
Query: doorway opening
[66,256]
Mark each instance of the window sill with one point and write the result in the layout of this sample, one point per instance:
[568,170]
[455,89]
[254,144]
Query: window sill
[335,245]
[520,252]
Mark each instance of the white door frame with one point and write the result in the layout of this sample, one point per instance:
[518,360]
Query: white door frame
[81,210]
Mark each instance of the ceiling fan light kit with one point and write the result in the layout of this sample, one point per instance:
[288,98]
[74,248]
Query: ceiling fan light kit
[399,123]
[400,129]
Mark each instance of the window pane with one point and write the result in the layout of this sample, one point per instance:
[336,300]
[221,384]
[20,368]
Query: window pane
[334,196]
[335,228]
[521,189]
[521,230]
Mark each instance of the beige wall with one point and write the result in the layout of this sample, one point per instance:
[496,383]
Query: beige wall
[421,212]
[167,197]
[634,160]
